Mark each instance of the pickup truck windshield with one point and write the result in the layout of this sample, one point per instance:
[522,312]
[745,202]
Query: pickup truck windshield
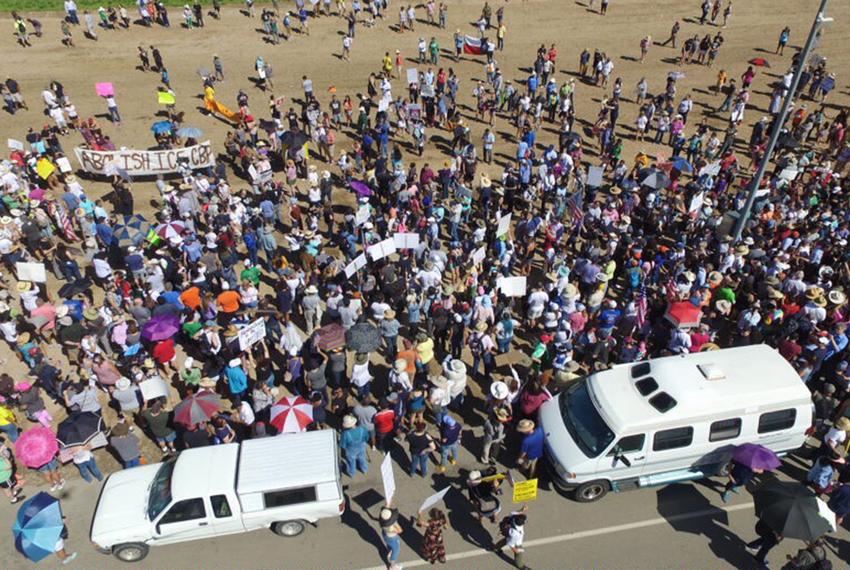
[160,496]
[586,426]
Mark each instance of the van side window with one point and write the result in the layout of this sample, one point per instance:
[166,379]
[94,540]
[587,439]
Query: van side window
[776,421]
[187,510]
[220,506]
[673,438]
[289,497]
[629,444]
[725,429]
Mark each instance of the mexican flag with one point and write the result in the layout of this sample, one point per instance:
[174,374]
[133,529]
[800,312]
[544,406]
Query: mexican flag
[473,45]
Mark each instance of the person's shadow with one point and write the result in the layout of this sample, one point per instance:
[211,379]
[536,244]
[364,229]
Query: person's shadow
[680,503]
[367,530]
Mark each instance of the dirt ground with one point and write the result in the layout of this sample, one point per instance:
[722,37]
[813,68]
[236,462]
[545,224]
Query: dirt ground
[752,32]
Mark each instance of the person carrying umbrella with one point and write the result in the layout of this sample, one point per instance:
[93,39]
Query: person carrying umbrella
[40,529]
[748,461]
[767,539]
[739,476]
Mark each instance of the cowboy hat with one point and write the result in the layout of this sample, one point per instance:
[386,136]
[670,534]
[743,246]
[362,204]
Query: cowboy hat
[820,301]
[570,291]
[91,314]
[23,338]
[311,290]
[774,293]
[400,365]
[23,286]
[771,280]
[715,278]
[389,314]
[525,426]
[481,326]
[689,276]
[724,306]
[742,250]
[62,310]
[123,383]
[207,382]
[349,421]
[499,390]
[485,181]
[363,358]
[843,424]
[837,297]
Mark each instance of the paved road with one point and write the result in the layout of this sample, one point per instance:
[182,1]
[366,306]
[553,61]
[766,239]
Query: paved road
[678,526]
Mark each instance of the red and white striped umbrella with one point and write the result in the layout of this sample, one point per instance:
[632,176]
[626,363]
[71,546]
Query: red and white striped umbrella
[291,414]
[170,230]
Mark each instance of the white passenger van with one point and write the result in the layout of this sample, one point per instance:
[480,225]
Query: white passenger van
[672,419]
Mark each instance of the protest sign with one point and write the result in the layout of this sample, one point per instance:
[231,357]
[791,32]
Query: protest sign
[525,491]
[362,216]
[153,388]
[433,499]
[64,164]
[147,162]
[165,98]
[388,478]
[44,168]
[504,225]
[479,254]
[412,76]
[104,89]
[31,271]
[356,264]
[406,240]
[696,202]
[252,334]
[712,169]
[382,249]
[15,144]
[594,176]
[512,286]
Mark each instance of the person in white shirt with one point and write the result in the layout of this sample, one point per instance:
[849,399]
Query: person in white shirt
[513,530]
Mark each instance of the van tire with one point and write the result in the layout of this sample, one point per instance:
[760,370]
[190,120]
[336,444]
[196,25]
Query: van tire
[592,491]
[130,552]
[288,529]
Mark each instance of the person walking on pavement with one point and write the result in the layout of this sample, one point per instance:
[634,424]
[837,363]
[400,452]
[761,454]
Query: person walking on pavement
[768,538]
[513,535]
[390,531]
[353,442]
[433,547]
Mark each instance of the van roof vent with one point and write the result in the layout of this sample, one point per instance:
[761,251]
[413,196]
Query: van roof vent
[711,372]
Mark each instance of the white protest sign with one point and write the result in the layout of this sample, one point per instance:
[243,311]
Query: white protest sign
[64,164]
[383,105]
[382,249]
[31,271]
[406,240]
[504,225]
[146,162]
[412,76]
[594,176]
[15,144]
[789,174]
[388,478]
[433,499]
[479,254]
[696,202]
[512,286]
[362,216]
[153,388]
[711,169]
[356,264]
[252,334]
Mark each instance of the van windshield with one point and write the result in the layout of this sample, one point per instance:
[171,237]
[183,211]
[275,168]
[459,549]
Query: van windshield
[160,490]
[586,426]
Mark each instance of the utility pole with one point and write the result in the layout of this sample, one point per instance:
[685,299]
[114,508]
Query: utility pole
[744,216]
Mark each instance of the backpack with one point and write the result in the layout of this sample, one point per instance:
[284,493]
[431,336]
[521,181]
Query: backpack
[505,525]
[476,345]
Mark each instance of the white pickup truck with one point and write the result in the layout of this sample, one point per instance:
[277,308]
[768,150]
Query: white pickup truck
[282,482]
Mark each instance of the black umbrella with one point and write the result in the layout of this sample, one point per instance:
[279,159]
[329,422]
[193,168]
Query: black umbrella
[792,510]
[293,139]
[68,290]
[787,141]
[79,428]
[363,337]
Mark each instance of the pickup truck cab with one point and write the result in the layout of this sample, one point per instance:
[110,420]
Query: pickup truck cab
[282,483]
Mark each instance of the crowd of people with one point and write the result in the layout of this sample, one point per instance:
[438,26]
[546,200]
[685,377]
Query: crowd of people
[606,243]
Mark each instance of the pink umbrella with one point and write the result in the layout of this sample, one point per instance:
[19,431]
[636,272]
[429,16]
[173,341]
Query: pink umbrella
[291,414]
[36,447]
[683,314]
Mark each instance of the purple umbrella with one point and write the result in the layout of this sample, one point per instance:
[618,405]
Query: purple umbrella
[160,327]
[361,188]
[756,456]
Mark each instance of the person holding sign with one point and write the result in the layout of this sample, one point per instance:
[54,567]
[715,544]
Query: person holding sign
[390,531]
[433,547]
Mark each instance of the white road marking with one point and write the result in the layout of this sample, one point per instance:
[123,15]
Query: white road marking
[585,534]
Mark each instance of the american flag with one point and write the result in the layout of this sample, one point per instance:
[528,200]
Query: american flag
[642,307]
[575,203]
[672,290]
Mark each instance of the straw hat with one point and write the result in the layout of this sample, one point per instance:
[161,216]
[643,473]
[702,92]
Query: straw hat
[570,291]
[843,424]
[485,181]
[62,310]
[837,297]
[525,426]
[742,250]
[499,390]
[311,290]
[23,338]
[23,286]
[123,383]
[775,294]
[389,314]
[349,421]
[207,382]
[481,326]
[715,278]
[91,314]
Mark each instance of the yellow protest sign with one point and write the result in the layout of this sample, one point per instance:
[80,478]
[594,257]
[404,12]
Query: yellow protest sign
[525,491]
[44,168]
[165,98]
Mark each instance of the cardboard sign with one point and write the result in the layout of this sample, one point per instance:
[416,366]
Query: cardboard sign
[362,216]
[153,388]
[44,168]
[104,89]
[406,240]
[64,164]
[512,286]
[165,98]
[31,271]
[388,478]
[479,254]
[382,249]
[594,176]
[15,144]
[504,225]
[147,162]
[252,334]
[525,491]
[356,265]
[412,76]
[433,499]
[260,176]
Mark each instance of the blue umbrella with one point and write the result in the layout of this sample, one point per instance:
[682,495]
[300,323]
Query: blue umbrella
[131,231]
[190,132]
[681,164]
[38,526]
[162,127]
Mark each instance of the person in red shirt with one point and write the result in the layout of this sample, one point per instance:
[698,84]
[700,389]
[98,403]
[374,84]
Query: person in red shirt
[384,422]
[164,354]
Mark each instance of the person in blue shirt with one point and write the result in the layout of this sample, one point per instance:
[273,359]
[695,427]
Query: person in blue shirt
[236,379]
[353,442]
[450,431]
[531,448]
[532,84]
[608,318]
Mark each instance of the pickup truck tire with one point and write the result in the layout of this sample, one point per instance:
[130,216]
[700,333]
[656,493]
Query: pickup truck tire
[288,528]
[592,491]
[130,552]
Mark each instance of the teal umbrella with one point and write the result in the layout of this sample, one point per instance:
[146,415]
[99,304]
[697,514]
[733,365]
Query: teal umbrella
[38,526]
